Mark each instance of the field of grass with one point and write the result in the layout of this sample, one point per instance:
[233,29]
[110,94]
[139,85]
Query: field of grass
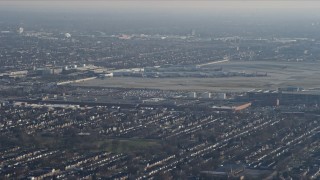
[280,74]
[126,145]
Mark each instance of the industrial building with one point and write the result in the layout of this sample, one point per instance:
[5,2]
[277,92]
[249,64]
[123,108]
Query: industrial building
[274,98]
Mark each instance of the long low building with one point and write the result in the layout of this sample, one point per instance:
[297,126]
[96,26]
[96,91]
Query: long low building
[234,108]
[284,98]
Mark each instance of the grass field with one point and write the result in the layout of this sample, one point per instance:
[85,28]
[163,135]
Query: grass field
[280,74]
[126,145]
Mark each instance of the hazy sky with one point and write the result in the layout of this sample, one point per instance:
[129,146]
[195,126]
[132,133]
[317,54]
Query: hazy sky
[209,15]
[170,5]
